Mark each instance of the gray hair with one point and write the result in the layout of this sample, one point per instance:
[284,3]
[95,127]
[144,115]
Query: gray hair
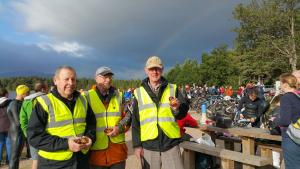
[63,67]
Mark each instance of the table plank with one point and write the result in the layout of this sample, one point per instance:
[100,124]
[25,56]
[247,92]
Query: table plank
[248,148]
[226,154]
[189,159]
[244,132]
[227,164]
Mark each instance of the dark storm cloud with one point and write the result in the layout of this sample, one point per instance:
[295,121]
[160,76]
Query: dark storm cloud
[122,35]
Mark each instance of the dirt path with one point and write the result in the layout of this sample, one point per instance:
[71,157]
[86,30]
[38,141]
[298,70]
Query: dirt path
[132,162]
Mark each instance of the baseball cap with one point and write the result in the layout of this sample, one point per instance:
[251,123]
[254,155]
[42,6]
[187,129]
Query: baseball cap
[22,89]
[103,70]
[154,61]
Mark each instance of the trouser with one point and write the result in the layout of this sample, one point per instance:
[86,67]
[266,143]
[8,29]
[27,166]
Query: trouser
[28,154]
[120,165]
[157,160]
[17,143]
[291,153]
[5,140]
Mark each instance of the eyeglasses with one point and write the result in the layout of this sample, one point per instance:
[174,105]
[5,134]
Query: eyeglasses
[106,77]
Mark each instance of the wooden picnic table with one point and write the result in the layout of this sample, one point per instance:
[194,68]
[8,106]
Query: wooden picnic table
[250,132]
[248,136]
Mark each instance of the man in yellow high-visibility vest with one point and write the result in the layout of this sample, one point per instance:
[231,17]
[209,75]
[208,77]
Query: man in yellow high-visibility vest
[110,150]
[62,125]
[157,106]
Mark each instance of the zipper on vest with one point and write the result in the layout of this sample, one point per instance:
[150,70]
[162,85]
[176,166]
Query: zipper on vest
[158,127]
[73,123]
[107,124]
[106,118]
[157,110]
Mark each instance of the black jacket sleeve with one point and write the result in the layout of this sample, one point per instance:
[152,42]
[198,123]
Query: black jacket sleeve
[13,113]
[241,103]
[37,135]
[90,130]
[183,108]
[135,125]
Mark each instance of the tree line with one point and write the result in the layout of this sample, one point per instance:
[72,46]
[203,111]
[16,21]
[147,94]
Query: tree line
[266,45]
[82,83]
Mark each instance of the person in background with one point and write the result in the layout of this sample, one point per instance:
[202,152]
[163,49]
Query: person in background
[128,95]
[273,116]
[187,121]
[187,94]
[156,107]
[15,132]
[240,91]
[4,125]
[222,90]
[289,116]
[110,150]
[296,73]
[249,86]
[40,89]
[253,109]
[62,125]
[229,91]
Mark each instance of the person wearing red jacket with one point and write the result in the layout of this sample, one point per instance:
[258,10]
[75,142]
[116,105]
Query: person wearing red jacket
[222,90]
[187,121]
[228,91]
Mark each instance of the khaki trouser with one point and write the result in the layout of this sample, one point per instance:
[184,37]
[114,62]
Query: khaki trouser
[165,160]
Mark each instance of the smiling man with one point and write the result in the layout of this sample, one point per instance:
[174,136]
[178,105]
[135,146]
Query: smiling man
[110,150]
[155,133]
[59,121]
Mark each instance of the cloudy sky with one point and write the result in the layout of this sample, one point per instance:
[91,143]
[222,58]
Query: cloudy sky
[39,35]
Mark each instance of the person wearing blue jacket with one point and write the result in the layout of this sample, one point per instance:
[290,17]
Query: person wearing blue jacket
[289,113]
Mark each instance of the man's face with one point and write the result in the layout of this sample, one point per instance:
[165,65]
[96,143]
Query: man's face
[154,74]
[104,82]
[65,82]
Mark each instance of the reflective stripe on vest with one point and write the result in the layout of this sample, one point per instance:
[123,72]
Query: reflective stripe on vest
[106,118]
[63,123]
[150,115]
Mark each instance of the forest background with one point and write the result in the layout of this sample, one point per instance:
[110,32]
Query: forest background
[267,44]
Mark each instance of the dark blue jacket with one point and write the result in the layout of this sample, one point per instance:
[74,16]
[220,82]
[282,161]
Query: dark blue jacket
[289,110]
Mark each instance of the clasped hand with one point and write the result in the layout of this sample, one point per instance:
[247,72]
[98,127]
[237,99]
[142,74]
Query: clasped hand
[75,147]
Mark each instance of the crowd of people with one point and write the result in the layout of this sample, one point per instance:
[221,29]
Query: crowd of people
[71,129]
[66,128]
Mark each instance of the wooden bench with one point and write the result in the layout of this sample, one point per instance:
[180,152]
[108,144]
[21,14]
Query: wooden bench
[270,147]
[266,151]
[227,157]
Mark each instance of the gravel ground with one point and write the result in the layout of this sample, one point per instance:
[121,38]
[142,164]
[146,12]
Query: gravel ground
[132,162]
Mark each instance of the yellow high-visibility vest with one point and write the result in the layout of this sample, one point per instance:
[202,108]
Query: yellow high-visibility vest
[106,118]
[150,115]
[62,123]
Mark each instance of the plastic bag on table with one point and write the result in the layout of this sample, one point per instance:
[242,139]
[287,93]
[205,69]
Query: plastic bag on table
[206,140]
